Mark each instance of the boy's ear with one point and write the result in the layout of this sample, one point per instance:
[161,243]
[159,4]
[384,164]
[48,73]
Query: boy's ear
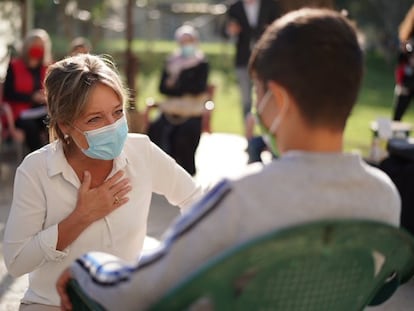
[280,94]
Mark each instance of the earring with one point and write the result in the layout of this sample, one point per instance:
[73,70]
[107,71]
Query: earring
[66,138]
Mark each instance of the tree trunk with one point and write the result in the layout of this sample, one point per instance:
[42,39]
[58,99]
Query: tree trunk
[130,65]
[134,117]
[23,8]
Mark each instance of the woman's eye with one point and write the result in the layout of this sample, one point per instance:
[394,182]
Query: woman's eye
[93,120]
[119,112]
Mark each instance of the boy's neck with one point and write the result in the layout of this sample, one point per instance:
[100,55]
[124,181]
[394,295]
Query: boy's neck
[313,140]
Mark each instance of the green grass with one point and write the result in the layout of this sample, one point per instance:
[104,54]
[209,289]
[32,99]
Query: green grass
[227,116]
[375,100]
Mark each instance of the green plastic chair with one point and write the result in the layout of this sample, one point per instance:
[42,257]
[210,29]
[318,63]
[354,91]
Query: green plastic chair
[327,265]
[80,300]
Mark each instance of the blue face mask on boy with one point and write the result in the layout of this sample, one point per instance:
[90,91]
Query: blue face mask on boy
[106,143]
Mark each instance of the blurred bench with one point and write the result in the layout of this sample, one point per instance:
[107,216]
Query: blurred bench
[209,106]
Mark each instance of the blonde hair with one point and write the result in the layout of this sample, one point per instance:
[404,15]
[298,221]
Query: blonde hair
[32,36]
[68,83]
[406,28]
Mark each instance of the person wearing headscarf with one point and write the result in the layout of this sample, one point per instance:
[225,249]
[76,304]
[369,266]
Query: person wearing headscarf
[184,83]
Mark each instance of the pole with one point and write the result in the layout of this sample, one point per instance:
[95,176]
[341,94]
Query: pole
[130,66]
[135,121]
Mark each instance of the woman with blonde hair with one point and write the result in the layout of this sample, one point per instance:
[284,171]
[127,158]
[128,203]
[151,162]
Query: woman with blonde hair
[90,189]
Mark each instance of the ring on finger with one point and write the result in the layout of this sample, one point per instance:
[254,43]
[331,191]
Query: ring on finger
[116,200]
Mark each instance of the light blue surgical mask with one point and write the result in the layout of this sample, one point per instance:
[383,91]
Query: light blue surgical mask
[107,142]
[269,134]
[188,50]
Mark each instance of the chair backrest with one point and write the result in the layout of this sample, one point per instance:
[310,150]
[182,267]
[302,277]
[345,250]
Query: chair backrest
[327,265]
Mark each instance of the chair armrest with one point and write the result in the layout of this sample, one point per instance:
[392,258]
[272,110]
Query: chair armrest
[386,290]
[80,301]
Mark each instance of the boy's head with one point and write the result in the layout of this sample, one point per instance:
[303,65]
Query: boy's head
[315,56]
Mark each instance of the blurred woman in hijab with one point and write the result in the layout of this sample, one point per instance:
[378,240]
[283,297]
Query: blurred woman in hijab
[184,79]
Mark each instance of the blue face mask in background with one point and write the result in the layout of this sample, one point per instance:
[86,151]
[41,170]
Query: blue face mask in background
[188,50]
[106,143]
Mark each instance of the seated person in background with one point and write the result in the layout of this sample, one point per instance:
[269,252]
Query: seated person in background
[23,87]
[79,45]
[313,179]
[184,81]
[8,129]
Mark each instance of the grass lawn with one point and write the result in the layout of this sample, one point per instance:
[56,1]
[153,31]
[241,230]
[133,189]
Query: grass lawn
[375,100]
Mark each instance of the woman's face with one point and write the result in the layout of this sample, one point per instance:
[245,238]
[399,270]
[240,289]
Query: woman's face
[186,40]
[81,49]
[103,108]
[188,45]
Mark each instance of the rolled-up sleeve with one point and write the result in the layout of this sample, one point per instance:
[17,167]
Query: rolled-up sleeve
[172,181]
[27,243]
[194,238]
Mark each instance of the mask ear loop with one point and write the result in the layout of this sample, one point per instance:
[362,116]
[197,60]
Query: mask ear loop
[263,102]
[280,115]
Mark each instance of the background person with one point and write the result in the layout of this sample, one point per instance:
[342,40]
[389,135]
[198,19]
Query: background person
[8,130]
[313,179]
[23,87]
[404,71]
[79,45]
[184,79]
[256,144]
[246,21]
[404,80]
[90,189]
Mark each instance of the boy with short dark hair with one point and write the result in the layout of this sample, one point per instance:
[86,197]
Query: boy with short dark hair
[307,69]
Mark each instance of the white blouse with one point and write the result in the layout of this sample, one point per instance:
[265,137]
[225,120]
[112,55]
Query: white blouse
[45,192]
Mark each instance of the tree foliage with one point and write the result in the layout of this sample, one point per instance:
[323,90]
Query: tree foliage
[379,19]
[289,5]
